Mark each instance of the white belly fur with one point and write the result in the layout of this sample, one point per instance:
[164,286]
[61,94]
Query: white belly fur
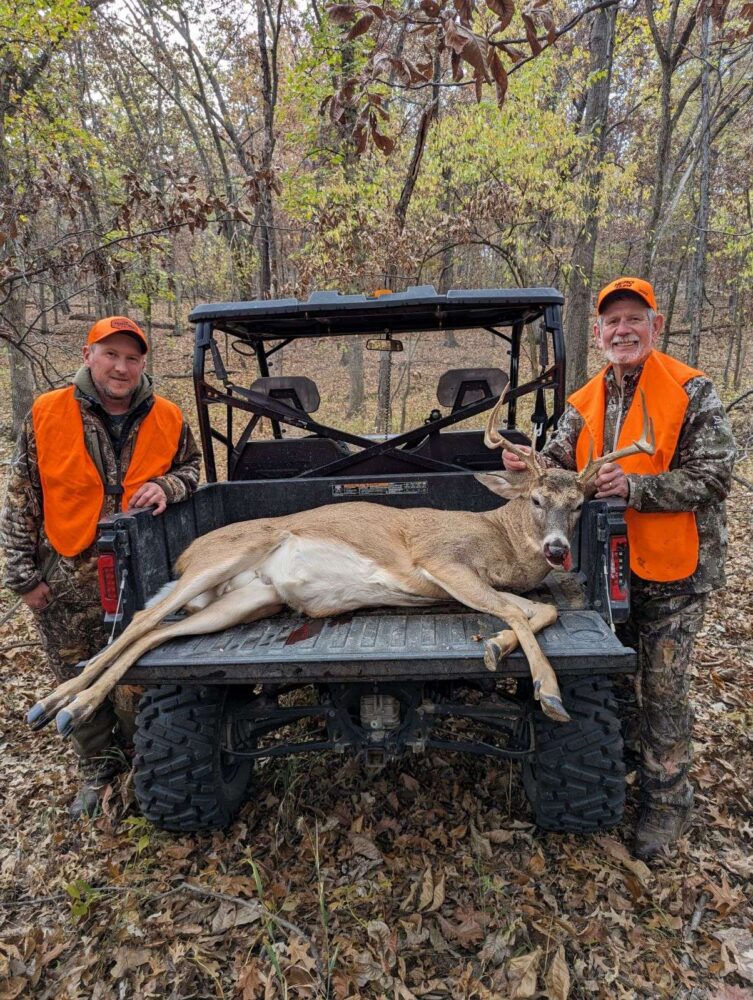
[314,576]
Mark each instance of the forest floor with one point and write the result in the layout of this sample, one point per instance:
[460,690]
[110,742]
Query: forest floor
[427,880]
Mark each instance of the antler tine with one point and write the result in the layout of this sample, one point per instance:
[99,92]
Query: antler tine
[494,439]
[646,443]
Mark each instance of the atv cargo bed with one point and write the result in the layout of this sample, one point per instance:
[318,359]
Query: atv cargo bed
[419,644]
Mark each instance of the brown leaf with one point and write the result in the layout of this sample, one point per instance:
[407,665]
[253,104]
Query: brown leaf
[127,959]
[724,898]
[300,955]
[467,933]
[361,26]
[500,836]
[383,142]
[514,53]
[739,942]
[14,987]
[341,13]
[250,981]
[365,846]
[531,34]
[504,9]
[360,138]
[439,894]
[620,853]
[499,75]
[521,973]
[480,844]
[537,864]
[426,895]
[557,978]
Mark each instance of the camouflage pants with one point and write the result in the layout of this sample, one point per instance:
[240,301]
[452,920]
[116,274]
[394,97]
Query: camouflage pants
[663,631]
[71,629]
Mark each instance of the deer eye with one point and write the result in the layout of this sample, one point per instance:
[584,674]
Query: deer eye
[535,501]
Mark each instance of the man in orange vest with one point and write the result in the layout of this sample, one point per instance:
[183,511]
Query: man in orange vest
[676,526]
[105,443]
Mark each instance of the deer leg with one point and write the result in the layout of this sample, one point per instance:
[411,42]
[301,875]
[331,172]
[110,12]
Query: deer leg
[255,600]
[189,587]
[539,616]
[465,586]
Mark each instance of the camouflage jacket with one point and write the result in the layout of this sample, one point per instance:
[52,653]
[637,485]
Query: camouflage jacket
[28,552]
[699,478]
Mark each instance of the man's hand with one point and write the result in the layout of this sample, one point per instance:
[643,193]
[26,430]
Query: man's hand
[148,494]
[611,481]
[511,461]
[38,598]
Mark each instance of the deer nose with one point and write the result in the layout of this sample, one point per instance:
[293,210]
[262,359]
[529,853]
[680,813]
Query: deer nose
[556,551]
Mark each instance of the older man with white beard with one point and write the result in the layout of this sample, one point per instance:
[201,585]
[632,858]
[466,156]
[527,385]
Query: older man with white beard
[676,527]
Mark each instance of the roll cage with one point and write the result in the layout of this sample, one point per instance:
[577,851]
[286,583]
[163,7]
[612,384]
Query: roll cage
[263,327]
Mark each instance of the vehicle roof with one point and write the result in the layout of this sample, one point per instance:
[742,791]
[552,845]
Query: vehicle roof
[420,307]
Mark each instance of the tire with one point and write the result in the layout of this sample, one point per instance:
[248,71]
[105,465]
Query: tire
[575,780]
[183,779]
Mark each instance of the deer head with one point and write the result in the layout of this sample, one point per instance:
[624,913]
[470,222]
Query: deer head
[551,498]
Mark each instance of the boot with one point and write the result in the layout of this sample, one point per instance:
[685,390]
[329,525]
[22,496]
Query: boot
[97,774]
[87,801]
[659,826]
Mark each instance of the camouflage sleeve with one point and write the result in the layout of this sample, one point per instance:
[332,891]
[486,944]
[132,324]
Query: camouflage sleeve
[560,449]
[183,477]
[21,518]
[701,470]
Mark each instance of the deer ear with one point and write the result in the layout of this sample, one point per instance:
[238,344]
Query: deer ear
[590,491]
[508,485]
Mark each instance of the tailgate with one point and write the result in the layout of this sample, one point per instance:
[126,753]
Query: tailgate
[439,643]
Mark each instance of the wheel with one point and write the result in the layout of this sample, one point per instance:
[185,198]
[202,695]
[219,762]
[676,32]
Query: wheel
[183,778]
[575,780]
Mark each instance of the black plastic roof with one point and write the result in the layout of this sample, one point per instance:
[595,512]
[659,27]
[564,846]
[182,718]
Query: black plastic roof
[420,307]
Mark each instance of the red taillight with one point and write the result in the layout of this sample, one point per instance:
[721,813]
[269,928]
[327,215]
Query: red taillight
[618,568]
[108,583]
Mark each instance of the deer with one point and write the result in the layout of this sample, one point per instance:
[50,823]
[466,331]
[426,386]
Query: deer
[340,557]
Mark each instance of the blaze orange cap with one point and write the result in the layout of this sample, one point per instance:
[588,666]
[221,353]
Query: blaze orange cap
[636,286]
[117,324]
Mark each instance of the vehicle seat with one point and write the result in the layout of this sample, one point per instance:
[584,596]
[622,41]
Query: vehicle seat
[295,390]
[460,387]
[287,457]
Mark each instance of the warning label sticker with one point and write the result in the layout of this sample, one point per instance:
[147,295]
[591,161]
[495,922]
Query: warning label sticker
[376,489]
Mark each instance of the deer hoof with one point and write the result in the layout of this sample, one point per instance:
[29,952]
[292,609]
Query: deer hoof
[552,707]
[492,654]
[37,717]
[64,722]
[496,650]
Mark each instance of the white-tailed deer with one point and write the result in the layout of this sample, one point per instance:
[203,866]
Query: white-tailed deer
[340,557]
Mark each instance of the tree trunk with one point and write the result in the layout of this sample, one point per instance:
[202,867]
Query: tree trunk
[578,307]
[355,376]
[267,240]
[21,378]
[698,279]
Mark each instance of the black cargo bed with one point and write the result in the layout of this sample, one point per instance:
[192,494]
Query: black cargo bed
[375,645]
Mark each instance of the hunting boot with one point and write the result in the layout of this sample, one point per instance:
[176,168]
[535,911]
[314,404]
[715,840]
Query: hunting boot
[659,826]
[100,760]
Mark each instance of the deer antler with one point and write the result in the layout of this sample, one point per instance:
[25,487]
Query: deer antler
[494,439]
[646,443]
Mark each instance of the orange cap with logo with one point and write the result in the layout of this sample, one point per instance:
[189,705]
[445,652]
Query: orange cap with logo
[636,286]
[117,324]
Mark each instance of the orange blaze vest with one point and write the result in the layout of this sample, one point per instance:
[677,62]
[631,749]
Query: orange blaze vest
[72,488]
[663,546]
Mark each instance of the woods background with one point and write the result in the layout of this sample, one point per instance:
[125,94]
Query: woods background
[158,155]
